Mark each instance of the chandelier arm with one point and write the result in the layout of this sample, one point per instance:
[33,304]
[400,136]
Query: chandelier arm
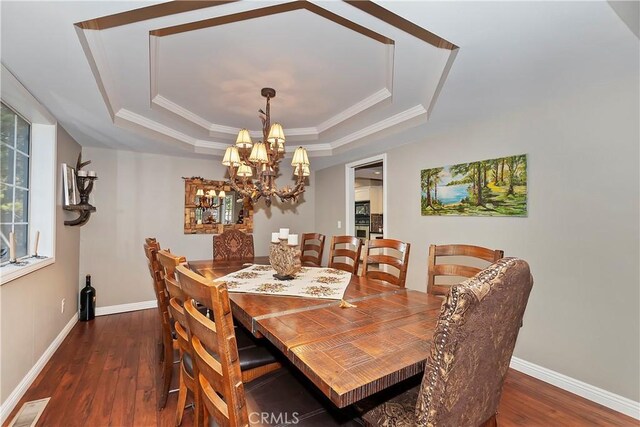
[294,192]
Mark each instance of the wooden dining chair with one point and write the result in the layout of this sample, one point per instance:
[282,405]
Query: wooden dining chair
[166,343]
[278,398]
[435,269]
[255,360]
[312,247]
[344,253]
[233,245]
[469,357]
[188,374]
[386,260]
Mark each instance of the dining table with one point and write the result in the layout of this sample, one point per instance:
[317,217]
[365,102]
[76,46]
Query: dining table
[376,336]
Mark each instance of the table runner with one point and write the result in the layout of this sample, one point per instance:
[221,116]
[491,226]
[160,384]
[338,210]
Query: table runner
[310,282]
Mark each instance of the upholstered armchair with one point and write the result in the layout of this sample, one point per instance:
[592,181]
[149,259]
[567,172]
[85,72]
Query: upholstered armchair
[232,245]
[470,353]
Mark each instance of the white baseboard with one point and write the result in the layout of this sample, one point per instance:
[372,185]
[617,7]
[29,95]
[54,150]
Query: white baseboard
[606,398]
[17,393]
[123,308]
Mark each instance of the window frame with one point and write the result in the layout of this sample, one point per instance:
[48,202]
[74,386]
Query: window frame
[43,186]
[14,186]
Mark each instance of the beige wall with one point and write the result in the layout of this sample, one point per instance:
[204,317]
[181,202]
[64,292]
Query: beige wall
[330,199]
[141,195]
[580,237]
[30,305]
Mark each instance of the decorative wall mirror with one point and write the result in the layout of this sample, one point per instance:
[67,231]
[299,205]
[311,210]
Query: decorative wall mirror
[210,207]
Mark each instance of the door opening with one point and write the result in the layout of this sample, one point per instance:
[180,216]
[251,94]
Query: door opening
[366,198]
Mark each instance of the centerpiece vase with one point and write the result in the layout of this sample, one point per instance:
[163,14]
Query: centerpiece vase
[285,259]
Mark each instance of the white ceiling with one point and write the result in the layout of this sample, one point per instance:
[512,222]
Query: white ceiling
[341,94]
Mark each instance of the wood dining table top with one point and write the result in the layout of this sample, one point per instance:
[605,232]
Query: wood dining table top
[348,353]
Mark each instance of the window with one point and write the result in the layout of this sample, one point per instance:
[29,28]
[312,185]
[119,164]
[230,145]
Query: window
[28,134]
[227,209]
[15,149]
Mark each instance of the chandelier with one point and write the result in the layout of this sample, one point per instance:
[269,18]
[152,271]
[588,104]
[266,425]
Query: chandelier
[253,168]
[205,201]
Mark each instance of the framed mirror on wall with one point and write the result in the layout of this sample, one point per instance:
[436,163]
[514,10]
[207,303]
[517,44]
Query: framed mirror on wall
[210,207]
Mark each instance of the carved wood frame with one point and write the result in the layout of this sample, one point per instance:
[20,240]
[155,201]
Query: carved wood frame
[191,185]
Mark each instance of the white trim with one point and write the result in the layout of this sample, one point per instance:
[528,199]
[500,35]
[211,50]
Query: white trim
[11,272]
[214,128]
[17,393]
[401,117]
[146,122]
[358,107]
[595,394]
[123,308]
[349,180]
[186,114]
[42,173]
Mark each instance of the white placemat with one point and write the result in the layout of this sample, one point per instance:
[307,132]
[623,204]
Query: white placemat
[310,282]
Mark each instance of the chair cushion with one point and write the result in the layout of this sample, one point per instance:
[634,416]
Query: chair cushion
[252,357]
[399,411]
[293,403]
[188,363]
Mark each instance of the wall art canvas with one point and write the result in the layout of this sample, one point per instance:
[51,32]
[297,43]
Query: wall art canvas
[495,187]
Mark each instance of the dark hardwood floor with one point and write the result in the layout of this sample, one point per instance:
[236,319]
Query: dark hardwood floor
[103,375]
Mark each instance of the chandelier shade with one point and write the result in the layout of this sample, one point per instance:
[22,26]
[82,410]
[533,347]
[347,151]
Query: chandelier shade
[276,135]
[231,157]
[244,171]
[264,157]
[300,157]
[259,153]
[244,139]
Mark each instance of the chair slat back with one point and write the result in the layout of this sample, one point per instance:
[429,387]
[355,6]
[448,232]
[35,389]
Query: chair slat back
[312,247]
[170,262]
[151,248]
[215,349]
[436,269]
[344,253]
[233,245]
[386,253]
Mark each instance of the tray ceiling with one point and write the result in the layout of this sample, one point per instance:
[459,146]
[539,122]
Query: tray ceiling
[190,74]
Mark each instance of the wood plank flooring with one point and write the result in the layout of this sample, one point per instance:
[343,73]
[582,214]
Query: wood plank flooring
[103,374]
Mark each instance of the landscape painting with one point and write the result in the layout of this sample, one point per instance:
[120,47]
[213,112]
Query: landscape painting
[496,187]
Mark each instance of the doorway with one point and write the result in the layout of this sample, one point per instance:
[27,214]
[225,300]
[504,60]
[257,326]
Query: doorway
[366,197]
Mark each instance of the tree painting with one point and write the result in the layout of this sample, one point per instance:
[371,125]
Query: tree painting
[496,187]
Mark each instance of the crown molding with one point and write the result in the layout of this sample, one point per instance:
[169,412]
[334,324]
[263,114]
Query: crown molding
[356,108]
[387,123]
[124,116]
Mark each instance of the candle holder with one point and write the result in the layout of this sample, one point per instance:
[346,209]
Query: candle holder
[18,263]
[285,259]
[84,182]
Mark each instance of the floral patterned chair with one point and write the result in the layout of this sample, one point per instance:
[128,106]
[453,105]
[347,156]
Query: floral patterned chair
[472,346]
[232,245]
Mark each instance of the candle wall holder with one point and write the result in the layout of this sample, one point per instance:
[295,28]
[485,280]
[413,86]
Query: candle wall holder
[85,186]
[285,259]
